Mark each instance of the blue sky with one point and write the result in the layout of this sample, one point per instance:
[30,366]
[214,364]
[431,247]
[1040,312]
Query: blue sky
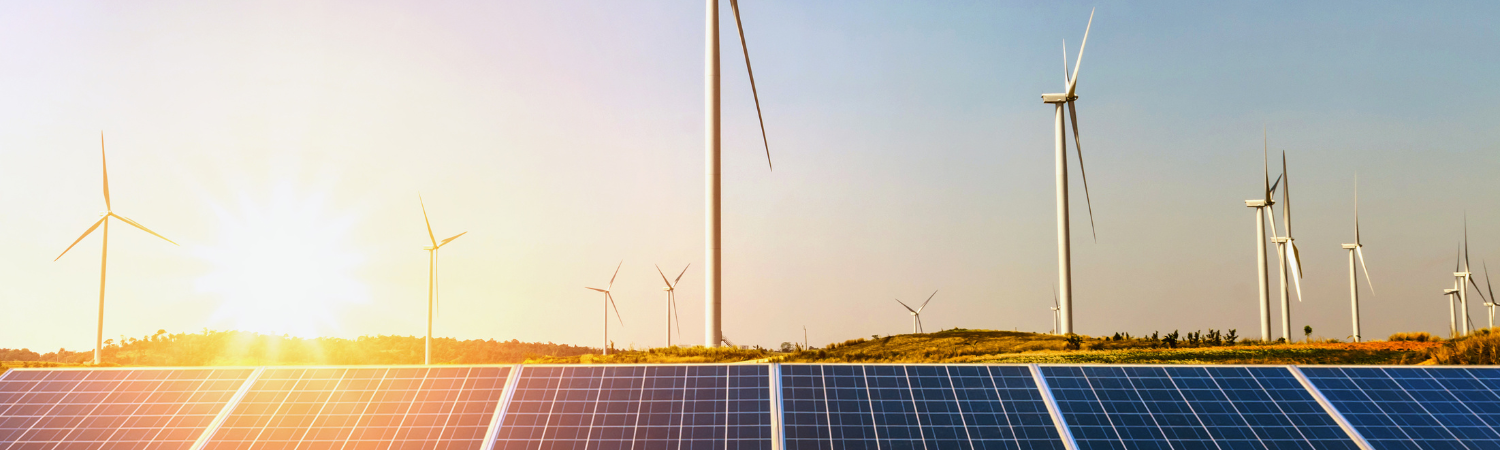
[912,151]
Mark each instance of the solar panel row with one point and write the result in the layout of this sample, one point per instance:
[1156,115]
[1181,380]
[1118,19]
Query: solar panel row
[754,407]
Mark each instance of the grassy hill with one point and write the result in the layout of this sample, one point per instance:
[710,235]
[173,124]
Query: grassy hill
[957,346]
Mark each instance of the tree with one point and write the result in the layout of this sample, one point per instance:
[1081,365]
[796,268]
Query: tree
[786,347]
[1307,333]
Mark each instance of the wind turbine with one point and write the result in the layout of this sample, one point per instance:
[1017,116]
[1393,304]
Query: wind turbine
[916,314]
[609,301]
[1464,279]
[104,248]
[1055,310]
[1356,249]
[1452,312]
[712,298]
[1063,101]
[671,289]
[1490,304]
[1290,260]
[432,276]
[1262,214]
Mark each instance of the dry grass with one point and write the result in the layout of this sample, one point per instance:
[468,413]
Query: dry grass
[1416,336]
[1480,348]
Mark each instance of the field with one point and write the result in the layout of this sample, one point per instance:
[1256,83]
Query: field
[957,346]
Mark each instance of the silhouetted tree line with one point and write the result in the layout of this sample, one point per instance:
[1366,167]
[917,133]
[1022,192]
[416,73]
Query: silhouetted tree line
[210,348]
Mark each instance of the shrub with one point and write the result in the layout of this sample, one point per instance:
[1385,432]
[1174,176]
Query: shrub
[1415,336]
[1483,348]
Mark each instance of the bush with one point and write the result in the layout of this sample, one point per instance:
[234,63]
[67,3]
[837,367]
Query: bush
[1415,336]
[1482,348]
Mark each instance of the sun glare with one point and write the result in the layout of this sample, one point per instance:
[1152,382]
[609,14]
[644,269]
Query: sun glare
[282,266]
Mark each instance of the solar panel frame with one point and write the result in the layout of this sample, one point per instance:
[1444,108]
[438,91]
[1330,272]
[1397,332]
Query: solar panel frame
[1405,424]
[511,378]
[164,394]
[1057,418]
[1290,370]
[1359,438]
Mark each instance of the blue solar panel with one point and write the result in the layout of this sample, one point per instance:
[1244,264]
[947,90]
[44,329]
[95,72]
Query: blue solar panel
[688,407]
[1207,407]
[838,407]
[1416,408]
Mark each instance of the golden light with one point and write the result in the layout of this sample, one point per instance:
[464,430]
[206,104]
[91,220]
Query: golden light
[282,267]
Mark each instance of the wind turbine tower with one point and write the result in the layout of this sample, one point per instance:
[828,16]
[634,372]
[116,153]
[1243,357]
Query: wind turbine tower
[1289,259]
[1452,311]
[713,287]
[671,288]
[1262,214]
[609,301]
[109,212]
[432,277]
[916,314]
[1061,101]
[1356,249]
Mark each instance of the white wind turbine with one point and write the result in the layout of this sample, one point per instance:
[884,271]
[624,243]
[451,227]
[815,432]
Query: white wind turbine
[1489,304]
[671,289]
[1356,249]
[1055,310]
[916,314]
[1063,101]
[104,248]
[1463,279]
[713,286]
[432,277]
[1262,215]
[1289,257]
[609,301]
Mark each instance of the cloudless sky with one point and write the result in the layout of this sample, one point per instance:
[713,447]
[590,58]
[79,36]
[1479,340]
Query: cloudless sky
[283,145]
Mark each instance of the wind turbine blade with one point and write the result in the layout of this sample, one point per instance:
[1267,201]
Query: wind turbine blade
[104,164]
[446,241]
[1487,284]
[1477,290]
[80,238]
[1294,261]
[673,300]
[1356,210]
[1458,259]
[595,289]
[1265,161]
[1055,305]
[1286,195]
[1073,83]
[1066,77]
[929,300]
[1072,111]
[919,325]
[1466,241]
[1270,191]
[735,5]
[1271,217]
[611,299]
[903,305]
[137,225]
[437,296]
[428,222]
[663,277]
[679,275]
[1359,251]
[617,273]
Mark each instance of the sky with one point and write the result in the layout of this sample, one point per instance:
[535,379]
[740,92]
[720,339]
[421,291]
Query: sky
[284,144]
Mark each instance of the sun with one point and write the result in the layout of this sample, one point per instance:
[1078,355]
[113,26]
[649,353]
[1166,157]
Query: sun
[282,266]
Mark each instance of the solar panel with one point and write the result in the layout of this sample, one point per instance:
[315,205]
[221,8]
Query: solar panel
[112,408]
[1132,407]
[393,407]
[688,407]
[1410,407]
[838,407]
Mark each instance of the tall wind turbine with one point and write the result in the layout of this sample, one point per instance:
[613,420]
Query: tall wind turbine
[1452,311]
[1464,278]
[104,248]
[1055,310]
[609,301]
[1060,102]
[1262,214]
[432,276]
[671,289]
[713,298]
[916,314]
[1356,249]
[1290,260]
[1490,304]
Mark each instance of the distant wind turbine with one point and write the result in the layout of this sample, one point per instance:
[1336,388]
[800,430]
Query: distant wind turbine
[609,301]
[916,314]
[671,289]
[713,287]
[1290,260]
[1490,305]
[1356,249]
[1064,101]
[1055,309]
[1464,278]
[432,276]
[1262,215]
[104,252]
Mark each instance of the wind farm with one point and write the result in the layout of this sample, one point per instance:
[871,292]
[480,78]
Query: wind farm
[910,155]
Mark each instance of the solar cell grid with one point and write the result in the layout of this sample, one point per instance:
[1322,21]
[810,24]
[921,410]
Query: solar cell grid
[837,407]
[691,407]
[1412,407]
[1132,407]
[398,407]
[112,408]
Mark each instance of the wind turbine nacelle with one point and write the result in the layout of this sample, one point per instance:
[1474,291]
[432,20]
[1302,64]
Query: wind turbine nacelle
[1061,97]
[1255,203]
[1350,246]
[1460,274]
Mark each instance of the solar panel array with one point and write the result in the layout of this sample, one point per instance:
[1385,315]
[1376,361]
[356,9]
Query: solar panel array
[753,407]
[829,407]
[1416,408]
[112,408]
[1113,407]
